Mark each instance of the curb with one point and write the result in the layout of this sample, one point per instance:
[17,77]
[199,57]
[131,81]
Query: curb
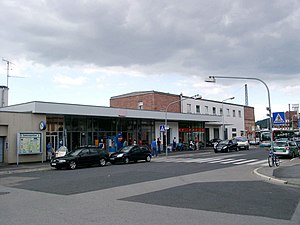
[23,170]
[269,178]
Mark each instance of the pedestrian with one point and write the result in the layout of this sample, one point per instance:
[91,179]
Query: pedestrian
[154,149]
[125,143]
[134,142]
[158,145]
[174,144]
[49,150]
[101,144]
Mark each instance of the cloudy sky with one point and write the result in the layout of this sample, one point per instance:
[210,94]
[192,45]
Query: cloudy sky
[84,52]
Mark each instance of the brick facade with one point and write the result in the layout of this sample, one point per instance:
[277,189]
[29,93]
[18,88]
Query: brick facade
[147,101]
[249,118]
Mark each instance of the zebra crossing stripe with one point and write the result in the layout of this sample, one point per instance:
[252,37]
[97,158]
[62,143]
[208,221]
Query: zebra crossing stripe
[243,162]
[213,160]
[235,160]
[258,162]
[222,160]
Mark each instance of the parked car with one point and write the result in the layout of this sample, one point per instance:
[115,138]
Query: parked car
[226,146]
[83,156]
[131,153]
[242,142]
[212,142]
[285,148]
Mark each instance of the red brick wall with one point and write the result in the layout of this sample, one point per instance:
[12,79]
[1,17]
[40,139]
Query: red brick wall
[151,101]
[249,118]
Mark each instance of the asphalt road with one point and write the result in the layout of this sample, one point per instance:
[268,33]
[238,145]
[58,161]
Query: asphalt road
[194,188]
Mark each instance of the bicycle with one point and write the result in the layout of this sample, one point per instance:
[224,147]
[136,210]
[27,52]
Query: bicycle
[273,159]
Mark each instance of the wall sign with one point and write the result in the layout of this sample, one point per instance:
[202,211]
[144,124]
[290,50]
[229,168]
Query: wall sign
[29,143]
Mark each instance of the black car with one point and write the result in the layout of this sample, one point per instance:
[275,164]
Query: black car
[131,153]
[226,146]
[211,142]
[83,156]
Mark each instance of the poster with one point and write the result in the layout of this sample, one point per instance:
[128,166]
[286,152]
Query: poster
[29,143]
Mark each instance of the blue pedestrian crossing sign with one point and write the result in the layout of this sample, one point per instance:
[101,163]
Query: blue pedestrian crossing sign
[278,118]
[162,128]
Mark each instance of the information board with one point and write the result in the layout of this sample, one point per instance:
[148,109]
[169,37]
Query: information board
[29,143]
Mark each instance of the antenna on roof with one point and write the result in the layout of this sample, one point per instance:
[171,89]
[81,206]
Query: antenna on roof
[7,70]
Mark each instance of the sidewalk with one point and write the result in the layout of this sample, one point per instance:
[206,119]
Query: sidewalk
[287,173]
[24,167]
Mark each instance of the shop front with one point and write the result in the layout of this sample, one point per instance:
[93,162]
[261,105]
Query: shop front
[75,131]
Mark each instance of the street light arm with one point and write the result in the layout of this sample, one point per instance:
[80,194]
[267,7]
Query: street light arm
[166,112]
[213,79]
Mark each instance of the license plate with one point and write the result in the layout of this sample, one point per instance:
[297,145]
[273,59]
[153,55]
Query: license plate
[53,164]
[112,158]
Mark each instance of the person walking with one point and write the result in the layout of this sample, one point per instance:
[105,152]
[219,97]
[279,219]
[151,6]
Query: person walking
[174,144]
[154,149]
[49,151]
[158,142]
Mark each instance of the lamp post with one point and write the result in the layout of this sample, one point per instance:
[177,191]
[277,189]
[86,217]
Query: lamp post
[213,79]
[223,116]
[166,117]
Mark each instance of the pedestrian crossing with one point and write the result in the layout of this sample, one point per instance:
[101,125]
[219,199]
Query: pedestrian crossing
[215,160]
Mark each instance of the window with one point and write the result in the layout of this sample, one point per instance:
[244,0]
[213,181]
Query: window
[197,108]
[221,111]
[233,113]
[141,105]
[240,113]
[228,112]
[233,132]
[206,109]
[214,110]
[189,108]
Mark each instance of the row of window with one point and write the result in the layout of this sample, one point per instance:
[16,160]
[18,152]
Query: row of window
[214,111]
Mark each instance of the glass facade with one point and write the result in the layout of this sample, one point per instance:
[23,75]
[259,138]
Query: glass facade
[75,131]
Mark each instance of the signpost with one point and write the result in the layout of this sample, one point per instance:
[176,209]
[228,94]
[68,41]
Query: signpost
[278,118]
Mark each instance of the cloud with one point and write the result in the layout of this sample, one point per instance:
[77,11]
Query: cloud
[217,36]
[67,81]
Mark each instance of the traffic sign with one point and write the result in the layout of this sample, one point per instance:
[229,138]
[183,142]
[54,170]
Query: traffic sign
[278,118]
[162,128]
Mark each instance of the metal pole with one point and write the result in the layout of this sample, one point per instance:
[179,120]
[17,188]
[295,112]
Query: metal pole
[223,116]
[269,100]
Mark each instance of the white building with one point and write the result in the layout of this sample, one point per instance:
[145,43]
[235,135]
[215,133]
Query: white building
[233,117]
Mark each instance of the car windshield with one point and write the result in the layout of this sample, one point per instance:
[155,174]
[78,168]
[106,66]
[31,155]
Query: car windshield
[224,142]
[125,149]
[241,139]
[75,152]
[280,144]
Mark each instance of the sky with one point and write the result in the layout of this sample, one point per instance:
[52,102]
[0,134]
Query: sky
[86,51]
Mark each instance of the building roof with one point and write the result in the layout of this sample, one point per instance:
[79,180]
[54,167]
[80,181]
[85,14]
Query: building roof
[53,108]
[136,93]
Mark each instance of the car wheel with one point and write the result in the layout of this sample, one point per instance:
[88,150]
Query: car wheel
[72,165]
[148,158]
[237,149]
[126,160]
[102,162]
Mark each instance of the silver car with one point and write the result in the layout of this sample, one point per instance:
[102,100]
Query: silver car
[242,142]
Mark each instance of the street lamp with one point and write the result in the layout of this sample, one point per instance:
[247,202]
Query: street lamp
[213,79]
[166,117]
[223,115]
